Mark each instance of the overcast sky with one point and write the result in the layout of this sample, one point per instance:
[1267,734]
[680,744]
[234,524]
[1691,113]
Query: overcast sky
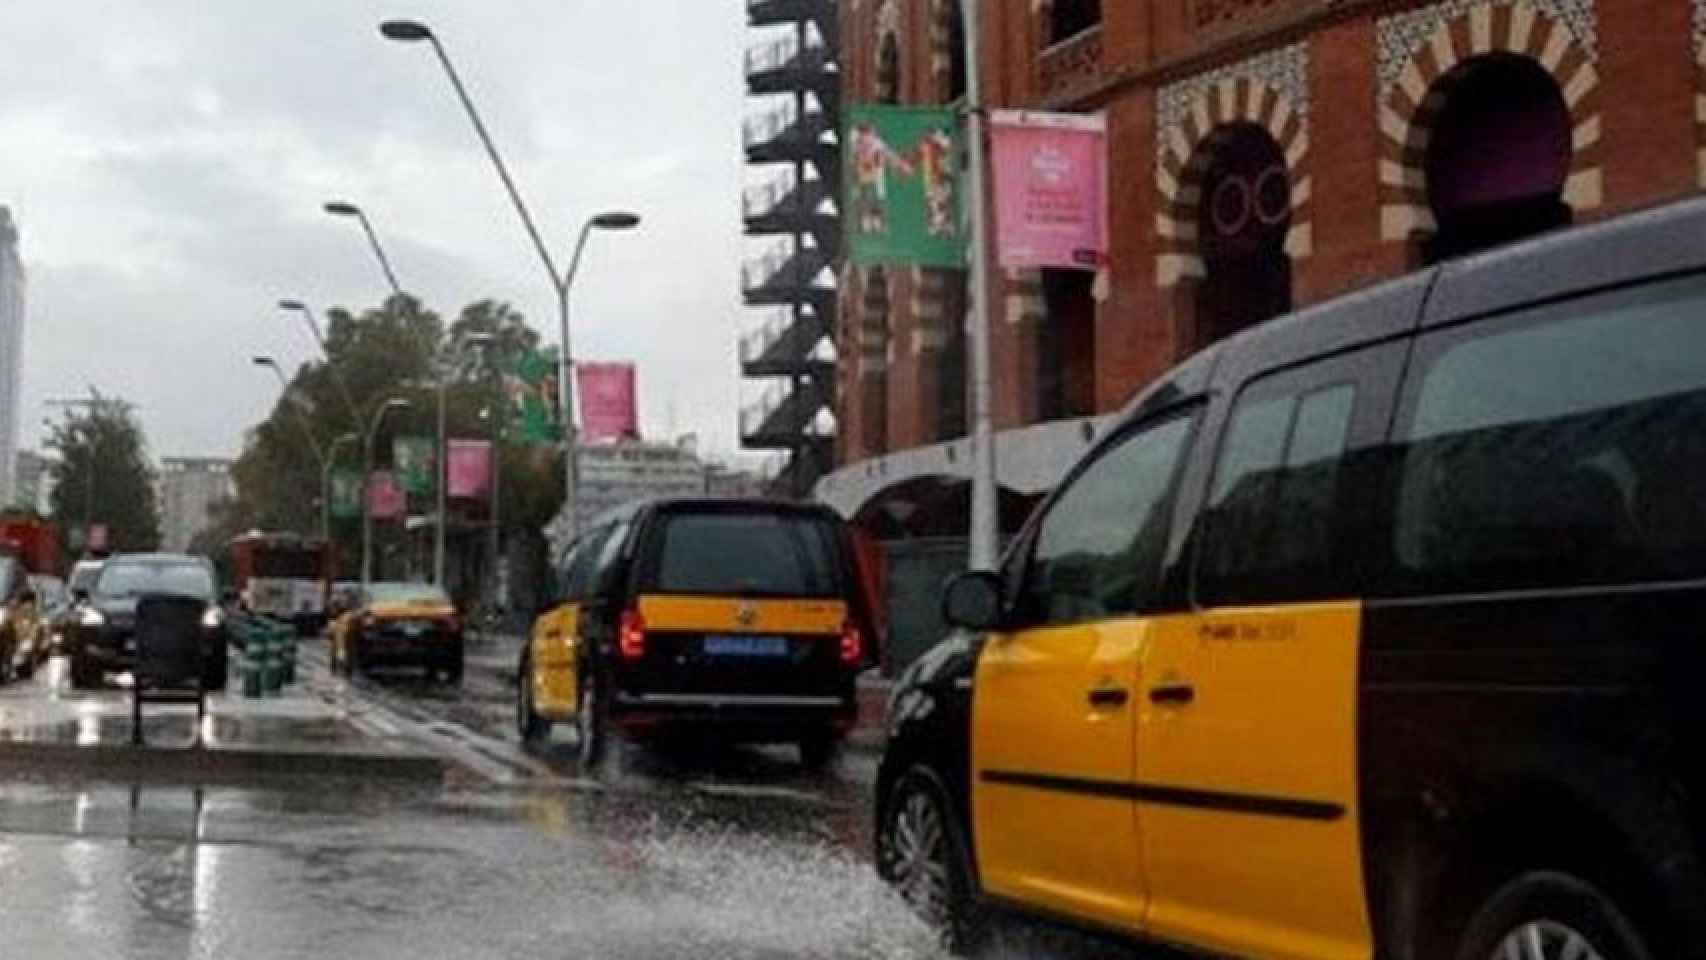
[166,162]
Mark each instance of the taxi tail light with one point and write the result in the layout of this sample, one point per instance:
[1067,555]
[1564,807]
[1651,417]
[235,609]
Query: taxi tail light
[852,644]
[631,635]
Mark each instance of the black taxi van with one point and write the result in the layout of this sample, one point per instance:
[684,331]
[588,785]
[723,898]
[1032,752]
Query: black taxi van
[745,619]
[1378,630]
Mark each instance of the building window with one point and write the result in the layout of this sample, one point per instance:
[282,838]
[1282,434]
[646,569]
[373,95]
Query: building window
[1069,18]
[1243,219]
[1066,346]
[956,51]
[1498,155]
[888,69]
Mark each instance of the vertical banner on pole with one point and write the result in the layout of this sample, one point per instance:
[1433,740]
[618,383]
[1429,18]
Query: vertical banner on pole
[903,186]
[385,499]
[607,400]
[346,493]
[414,459]
[470,473]
[1051,189]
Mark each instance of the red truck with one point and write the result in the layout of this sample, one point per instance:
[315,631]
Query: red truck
[283,576]
[28,546]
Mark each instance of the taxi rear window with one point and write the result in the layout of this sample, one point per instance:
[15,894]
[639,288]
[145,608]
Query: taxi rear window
[745,554]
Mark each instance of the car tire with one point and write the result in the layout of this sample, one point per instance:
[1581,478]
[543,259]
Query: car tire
[452,672]
[1554,912]
[83,675]
[354,663]
[922,853]
[818,750]
[216,674]
[592,718]
[529,725]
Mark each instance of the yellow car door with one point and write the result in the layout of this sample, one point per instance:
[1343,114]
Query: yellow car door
[1247,735]
[1054,813]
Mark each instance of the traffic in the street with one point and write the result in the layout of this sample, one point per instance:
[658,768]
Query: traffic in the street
[1007,479]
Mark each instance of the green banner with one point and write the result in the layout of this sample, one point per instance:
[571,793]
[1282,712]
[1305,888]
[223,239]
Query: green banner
[346,493]
[903,191]
[530,385]
[413,459]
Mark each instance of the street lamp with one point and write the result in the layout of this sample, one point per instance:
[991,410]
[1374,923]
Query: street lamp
[297,306]
[284,391]
[443,468]
[413,31]
[392,403]
[339,208]
[326,465]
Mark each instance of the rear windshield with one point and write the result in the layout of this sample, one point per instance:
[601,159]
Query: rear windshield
[287,564]
[83,576]
[745,554]
[418,594]
[133,579]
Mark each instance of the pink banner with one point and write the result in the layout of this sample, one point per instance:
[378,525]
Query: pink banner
[607,400]
[385,498]
[469,463]
[1051,189]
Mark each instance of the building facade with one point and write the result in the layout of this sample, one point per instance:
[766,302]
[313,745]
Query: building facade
[189,487]
[11,350]
[31,480]
[1262,157]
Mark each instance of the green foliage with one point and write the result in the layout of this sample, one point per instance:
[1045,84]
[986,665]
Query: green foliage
[103,474]
[396,350]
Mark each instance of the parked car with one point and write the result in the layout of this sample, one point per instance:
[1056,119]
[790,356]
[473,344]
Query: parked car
[1372,631]
[79,582]
[35,629]
[344,596]
[17,613]
[745,619]
[103,638]
[399,624]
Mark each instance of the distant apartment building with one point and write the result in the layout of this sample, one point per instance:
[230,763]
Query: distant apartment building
[189,487]
[32,478]
[11,350]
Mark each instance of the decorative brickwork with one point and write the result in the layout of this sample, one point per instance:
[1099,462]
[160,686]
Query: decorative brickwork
[1558,35]
[1699,22]
[1270,91]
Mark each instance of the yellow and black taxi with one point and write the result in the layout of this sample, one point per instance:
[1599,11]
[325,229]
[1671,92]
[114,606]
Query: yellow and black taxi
[742,618]
[1375,631]
[398,624]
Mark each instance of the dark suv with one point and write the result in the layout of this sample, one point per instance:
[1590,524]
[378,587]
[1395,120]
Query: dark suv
[102,637]
[748,618]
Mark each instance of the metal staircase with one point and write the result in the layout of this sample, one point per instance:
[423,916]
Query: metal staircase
[791,142]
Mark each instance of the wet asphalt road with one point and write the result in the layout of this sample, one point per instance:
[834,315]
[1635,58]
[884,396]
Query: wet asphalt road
[690,852]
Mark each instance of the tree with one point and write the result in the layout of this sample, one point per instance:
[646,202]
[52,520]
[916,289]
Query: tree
[103,475]
[400,349]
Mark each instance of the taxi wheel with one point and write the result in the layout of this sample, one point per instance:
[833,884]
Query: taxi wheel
[591,719]
[530,726]
[1550,916]
[922,854]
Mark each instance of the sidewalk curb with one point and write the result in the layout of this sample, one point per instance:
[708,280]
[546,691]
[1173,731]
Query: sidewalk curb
[214,764]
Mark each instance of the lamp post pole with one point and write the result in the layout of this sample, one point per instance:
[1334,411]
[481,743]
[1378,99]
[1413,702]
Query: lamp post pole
[410,31]
[983,523]
[340,208]
[442,463]
[297,306]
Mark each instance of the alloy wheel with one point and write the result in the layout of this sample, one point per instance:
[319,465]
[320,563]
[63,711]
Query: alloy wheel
[1545,940]
[918,857]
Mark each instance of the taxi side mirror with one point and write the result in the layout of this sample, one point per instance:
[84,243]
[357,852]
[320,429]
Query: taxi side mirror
[973,601]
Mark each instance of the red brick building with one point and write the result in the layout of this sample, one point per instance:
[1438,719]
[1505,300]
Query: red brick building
[1264,155]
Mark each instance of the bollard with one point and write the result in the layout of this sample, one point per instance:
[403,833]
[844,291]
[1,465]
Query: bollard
[248,665]
[288,650]
[271,659]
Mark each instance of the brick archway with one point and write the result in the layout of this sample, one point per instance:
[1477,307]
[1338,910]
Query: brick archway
[1186,151]
[1408,110]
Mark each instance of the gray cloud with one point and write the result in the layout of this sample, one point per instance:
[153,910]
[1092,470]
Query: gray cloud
[167,161]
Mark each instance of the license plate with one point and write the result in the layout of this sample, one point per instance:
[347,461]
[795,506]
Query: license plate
[738,645]
[413,630]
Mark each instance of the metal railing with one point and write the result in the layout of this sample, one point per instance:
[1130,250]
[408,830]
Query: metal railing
[774,124]
[766,267]
[761,198]
[756,342]
[754,415]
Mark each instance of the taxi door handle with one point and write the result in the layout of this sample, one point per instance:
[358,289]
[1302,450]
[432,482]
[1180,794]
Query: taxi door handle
[1108,696]
[1177,694]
